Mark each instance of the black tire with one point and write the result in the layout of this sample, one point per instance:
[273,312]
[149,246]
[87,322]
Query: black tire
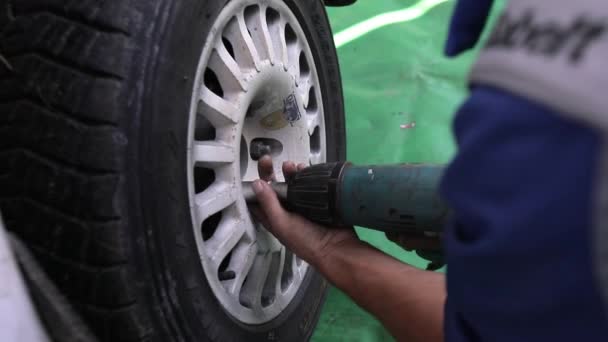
[94,97]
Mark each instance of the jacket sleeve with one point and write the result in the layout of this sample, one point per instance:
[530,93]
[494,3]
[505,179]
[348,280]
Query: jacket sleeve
[467,24]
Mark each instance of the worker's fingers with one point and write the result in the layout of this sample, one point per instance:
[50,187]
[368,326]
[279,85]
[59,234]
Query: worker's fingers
[269,203]
[266,169]
[289,170]
[259,215]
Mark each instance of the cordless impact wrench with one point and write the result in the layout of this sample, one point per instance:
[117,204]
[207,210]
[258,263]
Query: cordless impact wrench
[396,199]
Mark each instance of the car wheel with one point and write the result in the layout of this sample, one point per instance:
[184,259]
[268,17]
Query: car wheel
[127,129]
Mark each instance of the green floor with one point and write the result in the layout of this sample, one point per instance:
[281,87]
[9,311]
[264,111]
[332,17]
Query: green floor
[400,95]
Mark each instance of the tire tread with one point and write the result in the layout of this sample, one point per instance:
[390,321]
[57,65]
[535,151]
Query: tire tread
[63,146]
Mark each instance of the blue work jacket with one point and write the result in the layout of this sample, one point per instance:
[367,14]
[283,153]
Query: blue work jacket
[522,245]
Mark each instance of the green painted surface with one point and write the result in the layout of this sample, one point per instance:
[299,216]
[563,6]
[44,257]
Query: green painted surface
[394,76]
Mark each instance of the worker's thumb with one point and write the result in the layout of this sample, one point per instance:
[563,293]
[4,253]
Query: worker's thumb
[269,202]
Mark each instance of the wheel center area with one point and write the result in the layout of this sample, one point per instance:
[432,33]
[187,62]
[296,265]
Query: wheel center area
[274,123]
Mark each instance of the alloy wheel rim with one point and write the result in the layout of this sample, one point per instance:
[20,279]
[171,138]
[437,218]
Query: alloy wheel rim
[257,91]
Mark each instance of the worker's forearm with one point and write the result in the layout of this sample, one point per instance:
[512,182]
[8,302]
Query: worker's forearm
[408,301]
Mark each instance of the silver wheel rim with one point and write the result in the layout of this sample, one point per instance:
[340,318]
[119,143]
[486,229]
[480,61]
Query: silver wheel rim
[256,83]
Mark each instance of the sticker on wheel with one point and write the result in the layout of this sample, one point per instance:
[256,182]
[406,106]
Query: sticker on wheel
[292,110]
[288,115]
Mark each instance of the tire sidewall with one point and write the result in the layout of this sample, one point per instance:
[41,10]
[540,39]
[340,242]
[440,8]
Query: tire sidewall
[183,302]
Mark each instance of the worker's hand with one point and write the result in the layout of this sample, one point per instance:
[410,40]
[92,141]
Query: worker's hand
[309,241]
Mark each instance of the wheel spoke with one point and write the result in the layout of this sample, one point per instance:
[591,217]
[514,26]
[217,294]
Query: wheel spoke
[296,271]
[217,197]
[226,69]
[281,269]
[270,292]
[316,158]
[224,240]
[276,29]
[312,122]
[305,86]
[251,291]
[256,22]
[210,153]
[246,54]
[217,110]
[243,257]
[294,50]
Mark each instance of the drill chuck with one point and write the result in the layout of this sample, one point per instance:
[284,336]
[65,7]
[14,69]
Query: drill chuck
[314,193]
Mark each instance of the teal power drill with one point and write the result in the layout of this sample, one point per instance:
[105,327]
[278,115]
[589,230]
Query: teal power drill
[397,199]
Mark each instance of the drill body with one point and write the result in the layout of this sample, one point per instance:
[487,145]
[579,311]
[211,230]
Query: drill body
[393,198]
